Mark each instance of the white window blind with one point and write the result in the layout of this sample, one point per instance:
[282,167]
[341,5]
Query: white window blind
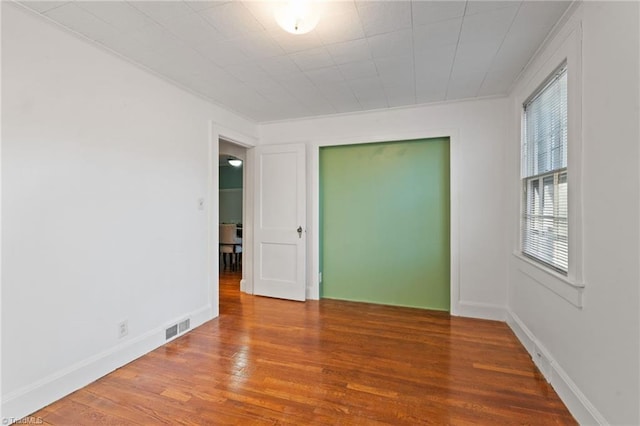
[545,228]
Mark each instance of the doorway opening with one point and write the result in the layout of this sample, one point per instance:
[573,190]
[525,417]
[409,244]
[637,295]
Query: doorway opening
[231,212]
[385,223]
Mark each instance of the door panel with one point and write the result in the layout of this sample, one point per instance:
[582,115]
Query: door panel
[280,211]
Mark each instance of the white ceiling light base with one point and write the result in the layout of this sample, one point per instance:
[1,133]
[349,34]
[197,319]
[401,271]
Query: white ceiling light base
[298,16]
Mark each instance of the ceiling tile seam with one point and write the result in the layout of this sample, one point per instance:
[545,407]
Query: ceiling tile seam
[439,20]
[91,38]
[366,38]
[161,25]
[286,55]
[349,85]
[268,36]
[378,77]
[498,50]
[256,17]
[507,3]
[289,55]
[335,108]
[130,3]
[464,14]
[183,41]
[192,9]
[116,29]
[241,4]
[413,56]
[313,83]
[385,32]
[296,96]
[257,92]
[202,18]
[347,81]
[79,5]
[263,30]
[333,62]
[53,8]
[189,45]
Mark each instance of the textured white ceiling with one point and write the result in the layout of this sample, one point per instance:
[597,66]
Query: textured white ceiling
[363,55]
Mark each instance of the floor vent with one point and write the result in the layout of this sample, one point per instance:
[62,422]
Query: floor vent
[184,326]
[171,332]
[177,329]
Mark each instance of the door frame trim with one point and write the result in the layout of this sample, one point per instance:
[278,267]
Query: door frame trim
[217,132]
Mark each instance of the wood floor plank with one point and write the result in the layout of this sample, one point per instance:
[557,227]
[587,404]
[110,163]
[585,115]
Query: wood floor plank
[275,362]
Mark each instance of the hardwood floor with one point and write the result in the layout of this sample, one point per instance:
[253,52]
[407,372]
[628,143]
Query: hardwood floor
[268,361]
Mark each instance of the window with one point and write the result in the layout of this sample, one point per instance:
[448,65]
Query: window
[545,228]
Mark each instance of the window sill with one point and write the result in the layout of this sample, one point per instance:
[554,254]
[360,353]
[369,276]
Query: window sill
[563,286]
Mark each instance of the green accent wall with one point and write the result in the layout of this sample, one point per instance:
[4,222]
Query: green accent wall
[230,194]
[230,177]
[385,223]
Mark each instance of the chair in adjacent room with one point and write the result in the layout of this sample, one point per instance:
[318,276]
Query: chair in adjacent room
[230,245]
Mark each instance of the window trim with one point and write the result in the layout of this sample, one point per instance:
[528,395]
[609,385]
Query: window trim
[528,151]
[546,83]
[569,50]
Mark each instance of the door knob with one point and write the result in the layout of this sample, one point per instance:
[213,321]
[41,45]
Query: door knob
[299,231]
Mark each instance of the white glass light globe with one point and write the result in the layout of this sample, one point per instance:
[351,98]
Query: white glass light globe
[298,16]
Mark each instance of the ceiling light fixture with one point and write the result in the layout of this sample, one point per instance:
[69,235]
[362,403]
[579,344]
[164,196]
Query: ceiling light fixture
[235,162]
[298,16]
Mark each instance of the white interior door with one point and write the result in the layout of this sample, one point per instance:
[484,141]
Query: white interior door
[280,229]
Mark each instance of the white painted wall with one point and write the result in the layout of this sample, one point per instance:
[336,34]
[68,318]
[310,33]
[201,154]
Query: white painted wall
[102,168]
[1,410]
[590,353]
[477,131]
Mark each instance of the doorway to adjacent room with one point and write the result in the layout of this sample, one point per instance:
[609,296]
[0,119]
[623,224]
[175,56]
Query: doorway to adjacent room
[231,173]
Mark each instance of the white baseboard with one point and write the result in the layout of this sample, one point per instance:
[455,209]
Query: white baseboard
[480,310]
[35,396]
[577,403]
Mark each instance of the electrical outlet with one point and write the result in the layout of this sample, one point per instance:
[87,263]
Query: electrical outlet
[319,277]
[542,362]
[123,329]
